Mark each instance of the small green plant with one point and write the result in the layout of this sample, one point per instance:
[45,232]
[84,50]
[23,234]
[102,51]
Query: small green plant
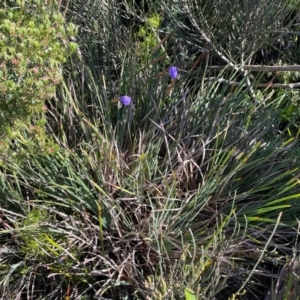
[39,242]
[31,234]
[148,36]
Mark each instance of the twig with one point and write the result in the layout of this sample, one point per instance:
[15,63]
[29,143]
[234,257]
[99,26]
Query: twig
[267,85]
[255,68]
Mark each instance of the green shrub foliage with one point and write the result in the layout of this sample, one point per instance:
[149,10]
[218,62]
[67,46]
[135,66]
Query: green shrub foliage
[33,46]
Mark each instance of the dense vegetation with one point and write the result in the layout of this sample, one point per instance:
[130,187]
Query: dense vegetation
[123,179]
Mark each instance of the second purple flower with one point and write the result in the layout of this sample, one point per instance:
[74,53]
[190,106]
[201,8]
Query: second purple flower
[173,72]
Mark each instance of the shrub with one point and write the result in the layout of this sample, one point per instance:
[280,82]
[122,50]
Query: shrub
[33,46]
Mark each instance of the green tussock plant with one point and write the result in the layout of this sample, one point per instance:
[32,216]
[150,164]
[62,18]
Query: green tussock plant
[155,187]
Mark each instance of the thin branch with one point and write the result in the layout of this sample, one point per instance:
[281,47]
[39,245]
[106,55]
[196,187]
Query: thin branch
[255,68]
[266,85]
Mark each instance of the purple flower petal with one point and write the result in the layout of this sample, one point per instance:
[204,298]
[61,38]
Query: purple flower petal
[125,100]
[173,71]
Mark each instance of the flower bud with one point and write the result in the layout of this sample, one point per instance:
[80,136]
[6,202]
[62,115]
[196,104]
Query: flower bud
[173,72]
[125,100]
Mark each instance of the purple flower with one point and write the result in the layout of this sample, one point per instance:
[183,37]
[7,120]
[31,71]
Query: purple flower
[173,71]
[125,100]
